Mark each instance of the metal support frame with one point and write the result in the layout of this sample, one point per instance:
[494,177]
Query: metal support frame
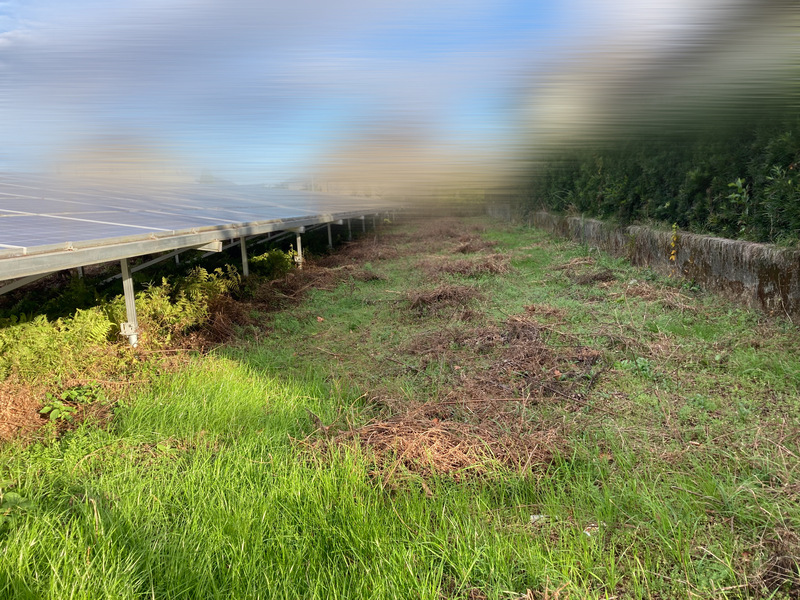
[213,246]
[131,328]
[299,241]
[9,287]
[245,264]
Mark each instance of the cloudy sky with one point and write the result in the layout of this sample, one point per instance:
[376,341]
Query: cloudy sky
[258,90]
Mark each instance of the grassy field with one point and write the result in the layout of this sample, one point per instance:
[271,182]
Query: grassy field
[454,410]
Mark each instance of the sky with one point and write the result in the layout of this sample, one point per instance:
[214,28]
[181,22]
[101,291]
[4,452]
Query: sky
[258,91]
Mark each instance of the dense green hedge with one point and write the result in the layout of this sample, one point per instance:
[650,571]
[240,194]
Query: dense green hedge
[740,184]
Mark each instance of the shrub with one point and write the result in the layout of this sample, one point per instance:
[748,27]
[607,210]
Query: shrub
[739,184]
[274,263]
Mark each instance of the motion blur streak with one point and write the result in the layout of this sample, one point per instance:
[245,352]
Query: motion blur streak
[372,97]
[731,62]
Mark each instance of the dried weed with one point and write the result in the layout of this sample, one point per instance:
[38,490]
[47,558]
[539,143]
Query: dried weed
[19,409]
[545,310]
[601,275]
[474,245]
[494,264]
[571,265]
[461,450]
[442,297]
[666,297]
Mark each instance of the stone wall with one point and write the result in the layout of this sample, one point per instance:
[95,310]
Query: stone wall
[758,275]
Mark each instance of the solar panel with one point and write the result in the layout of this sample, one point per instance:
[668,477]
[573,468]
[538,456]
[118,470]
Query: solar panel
[48,224]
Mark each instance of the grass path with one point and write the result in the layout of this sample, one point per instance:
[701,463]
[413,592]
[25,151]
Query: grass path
[461,413]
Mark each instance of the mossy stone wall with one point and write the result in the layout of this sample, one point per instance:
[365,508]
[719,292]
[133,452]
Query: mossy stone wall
[758,275]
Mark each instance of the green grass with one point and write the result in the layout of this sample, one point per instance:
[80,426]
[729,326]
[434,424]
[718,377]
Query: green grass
[678,476]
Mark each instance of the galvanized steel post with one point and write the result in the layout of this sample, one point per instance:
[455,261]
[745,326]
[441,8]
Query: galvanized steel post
[245,264]
[131,328]
[299,250]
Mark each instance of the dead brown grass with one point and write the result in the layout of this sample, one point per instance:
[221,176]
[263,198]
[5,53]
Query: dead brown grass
[19,409]
[494,264]
[371,249]
[545,310]
[601,275]
[666,297]
[20,405]
[574,263]
[439,229]
[474,245]
[486,419]
[442,297]
[430,447]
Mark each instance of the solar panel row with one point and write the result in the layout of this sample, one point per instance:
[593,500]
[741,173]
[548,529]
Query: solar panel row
[93,223]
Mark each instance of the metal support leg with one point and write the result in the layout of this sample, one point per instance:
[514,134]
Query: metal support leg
[177,258]
[349,231]
[330,237]
[363,224]
[131,328]
[80,272]
[245,264]
[21,282]
[299,250]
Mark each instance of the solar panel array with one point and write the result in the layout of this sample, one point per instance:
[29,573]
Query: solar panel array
[38,213]
[40,216]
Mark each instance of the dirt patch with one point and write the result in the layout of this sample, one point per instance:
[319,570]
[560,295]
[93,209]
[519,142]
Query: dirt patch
[461,450]
[396,237]
[442,297]
[494,264]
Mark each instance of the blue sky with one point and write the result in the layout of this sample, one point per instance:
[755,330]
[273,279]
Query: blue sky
[257,91]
